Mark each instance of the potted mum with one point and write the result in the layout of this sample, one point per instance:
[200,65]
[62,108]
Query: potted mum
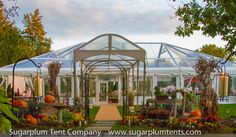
[131,98]
[160,95]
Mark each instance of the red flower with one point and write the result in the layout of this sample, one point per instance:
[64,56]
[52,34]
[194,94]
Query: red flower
[211,118]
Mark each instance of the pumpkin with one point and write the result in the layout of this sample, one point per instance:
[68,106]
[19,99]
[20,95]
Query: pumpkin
[28,117]
[19,103]
[196,113]
[49,99]
[23,103]
[33,121]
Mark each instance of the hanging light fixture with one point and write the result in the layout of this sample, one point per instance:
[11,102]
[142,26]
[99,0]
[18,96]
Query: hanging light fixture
[38,90]
[223,84]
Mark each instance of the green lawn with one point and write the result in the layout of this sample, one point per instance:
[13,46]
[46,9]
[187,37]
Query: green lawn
[67,116]
[120,109]
[93,112]
[227,110]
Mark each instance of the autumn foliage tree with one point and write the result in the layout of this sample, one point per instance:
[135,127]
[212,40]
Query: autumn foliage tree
[12,44]
[16,44]
[35,34]
[213,50]
[212,17]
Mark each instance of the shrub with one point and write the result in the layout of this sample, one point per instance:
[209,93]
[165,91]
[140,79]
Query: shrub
[5,113]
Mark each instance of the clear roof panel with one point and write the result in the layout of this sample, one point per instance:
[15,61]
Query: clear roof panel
[167,55]
[159,55]
[64,56]
[121,44]
[100,43]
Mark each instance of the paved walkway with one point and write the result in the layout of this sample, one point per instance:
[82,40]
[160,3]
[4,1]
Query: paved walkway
[108,112]
[105,118]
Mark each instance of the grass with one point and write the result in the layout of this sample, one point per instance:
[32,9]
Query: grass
[67,116]
[93,112]
[120,109]
[227,110]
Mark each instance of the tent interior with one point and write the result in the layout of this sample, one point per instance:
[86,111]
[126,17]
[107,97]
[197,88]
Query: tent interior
[164,65]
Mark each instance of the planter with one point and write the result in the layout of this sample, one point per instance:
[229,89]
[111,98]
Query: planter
[162,98]
[131,102]
[113,100]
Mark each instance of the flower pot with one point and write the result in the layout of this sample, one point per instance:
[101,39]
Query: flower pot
[131,102]
[161,98]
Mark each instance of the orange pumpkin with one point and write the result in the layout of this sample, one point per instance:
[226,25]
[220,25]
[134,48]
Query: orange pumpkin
[23,103]
[196,113]
[28,117]
[49,99]
[33,121]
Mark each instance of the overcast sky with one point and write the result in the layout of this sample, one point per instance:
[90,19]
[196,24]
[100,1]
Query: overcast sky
[70,22]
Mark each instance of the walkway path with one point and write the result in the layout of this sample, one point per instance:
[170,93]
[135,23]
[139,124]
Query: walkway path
[108,112]
[106,117]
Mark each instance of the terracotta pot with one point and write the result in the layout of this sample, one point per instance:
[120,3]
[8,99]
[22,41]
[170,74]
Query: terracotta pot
[162,98]
[131,102]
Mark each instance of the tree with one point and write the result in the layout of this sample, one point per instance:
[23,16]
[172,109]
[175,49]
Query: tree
[12,44]
[213,50]
[15,44]
[212,17]
[34,32]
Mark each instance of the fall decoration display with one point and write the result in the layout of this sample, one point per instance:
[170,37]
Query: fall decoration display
[30,119]
[78,117]
[53,71]
[27,117]
[19,103]
[208,97]
[196,113]
[49,99]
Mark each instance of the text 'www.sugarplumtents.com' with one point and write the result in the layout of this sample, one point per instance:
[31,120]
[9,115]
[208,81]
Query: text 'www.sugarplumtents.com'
[74,132]
[154,132]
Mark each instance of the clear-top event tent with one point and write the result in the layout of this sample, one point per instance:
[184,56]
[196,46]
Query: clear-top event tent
[162,58]
[163,62]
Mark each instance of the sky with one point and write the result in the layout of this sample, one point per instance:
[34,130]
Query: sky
[70,22]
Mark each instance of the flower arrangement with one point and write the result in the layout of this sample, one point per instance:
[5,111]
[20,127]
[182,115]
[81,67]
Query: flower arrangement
[153,114]
[131,119]
[184,123]
[19,103]
[169,90]
[207,124]
[78,117]
[50,118]
[161,114]
[158,92]
[211,118]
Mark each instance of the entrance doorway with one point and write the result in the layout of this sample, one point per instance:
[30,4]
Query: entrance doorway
[107,92]
[103,90]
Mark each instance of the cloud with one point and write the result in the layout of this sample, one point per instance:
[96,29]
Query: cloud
[75,18]
[73,21]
